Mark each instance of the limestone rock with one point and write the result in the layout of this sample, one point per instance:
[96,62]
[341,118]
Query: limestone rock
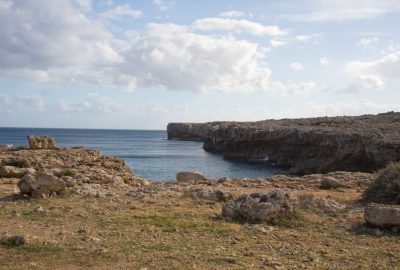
[40,184]
[382,215]
[328,206]
[190,176]
[208,194]
[41,142]
[6,146]
[14,172]
[259,206]
[69,181]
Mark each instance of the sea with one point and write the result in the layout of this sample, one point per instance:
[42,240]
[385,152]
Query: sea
[147,152]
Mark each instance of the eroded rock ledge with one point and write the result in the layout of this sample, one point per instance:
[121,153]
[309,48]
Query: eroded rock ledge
[310,145]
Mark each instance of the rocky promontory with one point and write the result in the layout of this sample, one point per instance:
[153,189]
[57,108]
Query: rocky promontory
[308,145]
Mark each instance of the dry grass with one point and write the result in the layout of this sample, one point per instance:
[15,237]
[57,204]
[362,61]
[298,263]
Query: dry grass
[170,232]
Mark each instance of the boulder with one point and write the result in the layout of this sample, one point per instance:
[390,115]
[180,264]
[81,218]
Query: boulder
[41,142]
[40,184]
[382,216]
[14,172]
[260,206]
[190,176]
[208,194]
[328,206]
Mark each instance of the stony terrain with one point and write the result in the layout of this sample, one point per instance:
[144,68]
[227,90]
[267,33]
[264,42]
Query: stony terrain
[109,218]
[310,145]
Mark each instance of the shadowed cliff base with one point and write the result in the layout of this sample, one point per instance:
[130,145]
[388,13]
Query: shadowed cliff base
[307,145]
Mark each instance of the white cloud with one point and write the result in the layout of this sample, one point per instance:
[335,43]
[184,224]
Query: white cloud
[367,42]
[93,104]
[296,66]
[120,12]
[76,49]
[324,61]
[386,67]
[30,42]
[232,14]
[172,57]
[277,43]
[225,24]
[10,104]
[306,38]
[339,10]
[164,5]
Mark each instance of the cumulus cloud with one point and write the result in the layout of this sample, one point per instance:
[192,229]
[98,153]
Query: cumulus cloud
[172,57]
[120,12]
[226,24]
[295,66]
[232,14]
[77,49]
[339,10]
[386,67]
[29,41]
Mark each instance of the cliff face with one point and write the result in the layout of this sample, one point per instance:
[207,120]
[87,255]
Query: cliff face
[313,145]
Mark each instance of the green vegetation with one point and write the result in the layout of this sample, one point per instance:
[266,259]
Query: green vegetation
[386,187]
[69,172]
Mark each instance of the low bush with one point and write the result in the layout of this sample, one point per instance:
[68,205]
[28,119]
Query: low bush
[385,188]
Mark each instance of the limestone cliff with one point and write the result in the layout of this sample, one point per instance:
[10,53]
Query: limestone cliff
[312,145]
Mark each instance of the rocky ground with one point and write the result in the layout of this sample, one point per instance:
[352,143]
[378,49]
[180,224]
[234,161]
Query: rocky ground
[109,218]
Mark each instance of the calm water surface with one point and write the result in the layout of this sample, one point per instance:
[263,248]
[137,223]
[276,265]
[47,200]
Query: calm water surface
[148,153]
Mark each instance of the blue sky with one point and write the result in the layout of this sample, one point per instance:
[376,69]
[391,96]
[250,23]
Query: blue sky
[141,64]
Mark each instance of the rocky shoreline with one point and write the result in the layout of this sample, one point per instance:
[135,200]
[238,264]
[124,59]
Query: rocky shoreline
[76,207]
[311,145]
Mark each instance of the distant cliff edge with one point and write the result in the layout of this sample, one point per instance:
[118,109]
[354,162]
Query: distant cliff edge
[307,145]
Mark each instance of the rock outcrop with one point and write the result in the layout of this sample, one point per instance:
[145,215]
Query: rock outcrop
[14,172]
[313,145]
[41,142]
[383,216]
[259,206]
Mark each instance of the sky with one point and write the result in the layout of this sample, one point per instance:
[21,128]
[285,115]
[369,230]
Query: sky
[142,64]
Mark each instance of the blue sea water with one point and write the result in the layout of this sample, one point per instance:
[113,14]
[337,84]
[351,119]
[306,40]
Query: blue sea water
[147,152]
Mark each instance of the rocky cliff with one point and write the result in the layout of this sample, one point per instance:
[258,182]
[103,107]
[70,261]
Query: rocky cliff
[311,145]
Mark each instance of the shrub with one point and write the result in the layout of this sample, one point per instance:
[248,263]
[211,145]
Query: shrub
[69,172]
[386,186]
